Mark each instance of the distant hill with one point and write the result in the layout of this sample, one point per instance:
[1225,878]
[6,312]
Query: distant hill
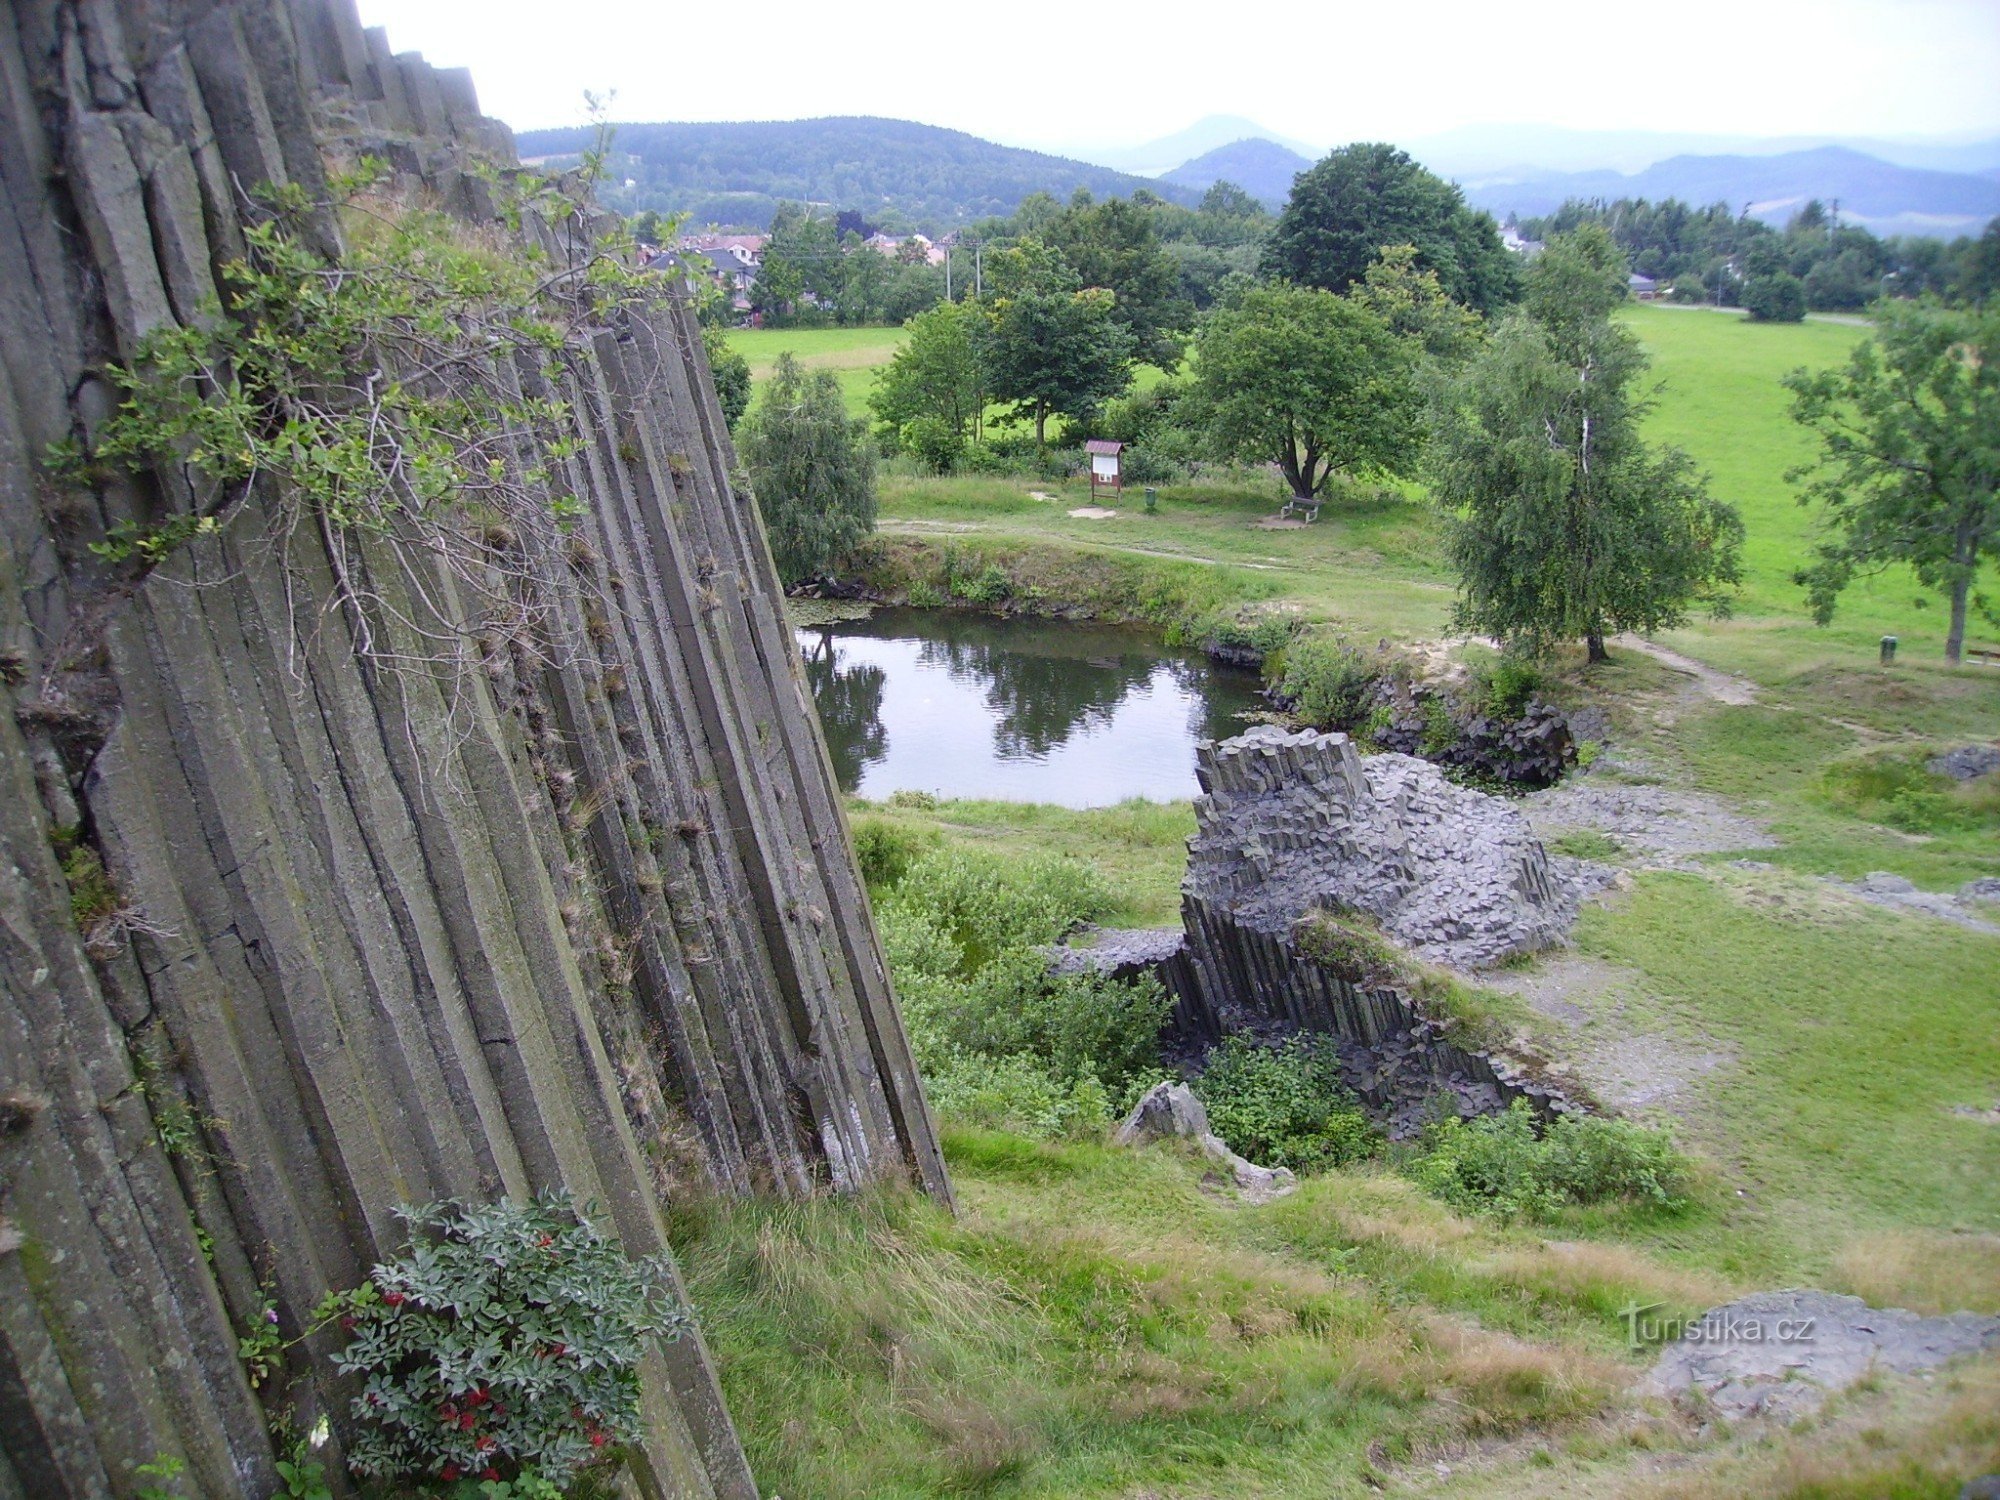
[1483,150]
[1264,169]
[1887,198]
[1163,157]
[737,172]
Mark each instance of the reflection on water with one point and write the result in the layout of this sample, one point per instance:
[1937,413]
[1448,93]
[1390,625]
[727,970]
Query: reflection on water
[1026,710]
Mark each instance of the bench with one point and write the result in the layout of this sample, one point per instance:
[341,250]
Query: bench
[1297,506]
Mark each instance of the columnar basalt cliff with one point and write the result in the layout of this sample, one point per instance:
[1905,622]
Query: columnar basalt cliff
[576,911]
[1295,827]
[1292,825]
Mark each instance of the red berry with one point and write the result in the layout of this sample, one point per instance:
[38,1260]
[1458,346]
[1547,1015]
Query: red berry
[392,1299]
[484,1443]
[448,1473]
[489,1472]
[598,1439]
[465,1422]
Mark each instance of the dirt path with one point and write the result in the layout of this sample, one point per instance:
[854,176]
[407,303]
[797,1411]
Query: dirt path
[1722,687]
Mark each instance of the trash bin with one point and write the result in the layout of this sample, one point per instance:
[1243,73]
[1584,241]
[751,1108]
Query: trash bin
[1152,501]
[1888,649]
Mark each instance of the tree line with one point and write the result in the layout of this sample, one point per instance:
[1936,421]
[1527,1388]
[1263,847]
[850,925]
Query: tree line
[1815,263]
[1383,333]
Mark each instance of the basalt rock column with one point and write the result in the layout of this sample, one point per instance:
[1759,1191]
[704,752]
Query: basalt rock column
[580,911]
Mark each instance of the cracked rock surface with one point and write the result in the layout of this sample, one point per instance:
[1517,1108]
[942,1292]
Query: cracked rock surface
[1782,1353]
[1294,822]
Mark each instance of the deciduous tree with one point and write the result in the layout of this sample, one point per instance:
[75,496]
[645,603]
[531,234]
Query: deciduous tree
[813,471]
[1362,197]
[731,373]
[1909,456]
[1113,245]
[1565,525]
[1778,297]
[1315,383]
[1412,301]
[1054,346]
[937,373]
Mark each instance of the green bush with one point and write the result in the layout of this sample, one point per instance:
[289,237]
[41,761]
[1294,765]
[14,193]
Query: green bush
[1505,686]
[1285,1106]
[983,459]
[1260,633]
[1440,731]
[923,594]
[990,585]
[1329,682]
[1000,1040]
[1503,1164]
[885,852]
[1777,298]
[505,1342]
[933,442]
[1013,1093]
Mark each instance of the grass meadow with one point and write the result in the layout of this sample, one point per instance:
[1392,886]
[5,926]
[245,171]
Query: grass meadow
[1103,1323]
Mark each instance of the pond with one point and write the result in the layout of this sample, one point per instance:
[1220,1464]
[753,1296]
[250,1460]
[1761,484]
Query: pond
[970,705]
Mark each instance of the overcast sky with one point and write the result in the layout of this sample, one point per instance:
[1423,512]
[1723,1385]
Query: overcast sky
[1113,72]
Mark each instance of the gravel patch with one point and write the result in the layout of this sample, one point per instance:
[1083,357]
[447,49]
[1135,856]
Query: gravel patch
[1627,1068]
[1781,1354]
[1666,825]
[1963,907]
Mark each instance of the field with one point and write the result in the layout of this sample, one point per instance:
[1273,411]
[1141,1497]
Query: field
[1095,1323]
[853,354]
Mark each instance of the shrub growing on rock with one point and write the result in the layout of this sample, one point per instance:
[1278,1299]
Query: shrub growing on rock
[505,1341]
[1533,749]
[1330,682]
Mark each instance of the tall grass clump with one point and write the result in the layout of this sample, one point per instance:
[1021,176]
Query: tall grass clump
[1901,791]
[1001,1041]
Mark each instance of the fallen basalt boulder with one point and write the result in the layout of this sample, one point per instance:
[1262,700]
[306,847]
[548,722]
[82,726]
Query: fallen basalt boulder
[1170,1111]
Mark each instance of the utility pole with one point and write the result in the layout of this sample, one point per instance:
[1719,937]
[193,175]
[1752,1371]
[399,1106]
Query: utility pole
[947,273]
[978,263]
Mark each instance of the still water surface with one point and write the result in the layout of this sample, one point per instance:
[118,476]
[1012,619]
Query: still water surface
[968,705]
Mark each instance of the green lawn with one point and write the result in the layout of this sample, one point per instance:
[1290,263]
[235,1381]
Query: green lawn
[1721,400]
[853,354]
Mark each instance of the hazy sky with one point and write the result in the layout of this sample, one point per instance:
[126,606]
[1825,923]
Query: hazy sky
[1325,71]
